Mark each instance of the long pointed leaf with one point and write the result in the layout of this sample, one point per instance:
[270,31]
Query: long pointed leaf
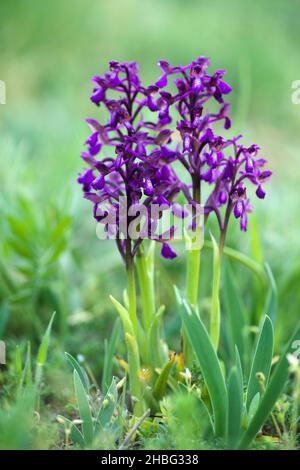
[209,365]
[235,315]
[84,409]
[238,364]
[124,315]
[43,349]
[109,351]
[273,391]
[42,352]
[235,408]
[108,406]
[82,374]
[161,382]
[262,359]
[271,303]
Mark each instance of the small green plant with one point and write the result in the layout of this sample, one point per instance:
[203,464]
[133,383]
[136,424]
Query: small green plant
[32,247]
[97,416]
[20,426]
[238,410]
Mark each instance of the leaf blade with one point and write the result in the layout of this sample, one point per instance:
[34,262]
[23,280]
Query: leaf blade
[274,388]
[84,409]
[209,365]
[262,359]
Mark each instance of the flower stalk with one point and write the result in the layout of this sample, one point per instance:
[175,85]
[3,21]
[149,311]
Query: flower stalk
[215,319]
[131,287]
[193,251]
[145,272]
[193,275]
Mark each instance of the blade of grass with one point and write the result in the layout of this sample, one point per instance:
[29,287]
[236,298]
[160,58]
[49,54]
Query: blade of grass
[27,369]
[42,352]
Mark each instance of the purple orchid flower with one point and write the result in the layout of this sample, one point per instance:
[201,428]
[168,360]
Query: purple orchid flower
[136,163]
[225,165]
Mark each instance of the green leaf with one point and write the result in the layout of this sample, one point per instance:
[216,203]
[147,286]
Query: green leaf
[142,342]
[238,364]
[271,302]
[6,279]
[235,315]
[84,409]
[60,229]
[124,315]
[249,263]
[18,228]
[43,349]
[21,248]
[271,395]
[108,406]
[55,251]
[81,372]
[27,368]
[262,359]
[253,407]
[209,365]
[235,408]
[154,342]
[162,380]
[134,370]
[4,315]
[18,361]
[109,351]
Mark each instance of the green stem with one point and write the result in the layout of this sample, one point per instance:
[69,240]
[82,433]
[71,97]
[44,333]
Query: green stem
[131,340]
[131,293]
[134,370]
[146,284]
[145,271]
[249,263]
[215,319]
[193,255]
[193,273]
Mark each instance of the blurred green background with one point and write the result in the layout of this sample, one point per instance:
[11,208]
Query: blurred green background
[49,51]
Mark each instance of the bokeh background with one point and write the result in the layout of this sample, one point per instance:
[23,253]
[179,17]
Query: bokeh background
[50,256]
